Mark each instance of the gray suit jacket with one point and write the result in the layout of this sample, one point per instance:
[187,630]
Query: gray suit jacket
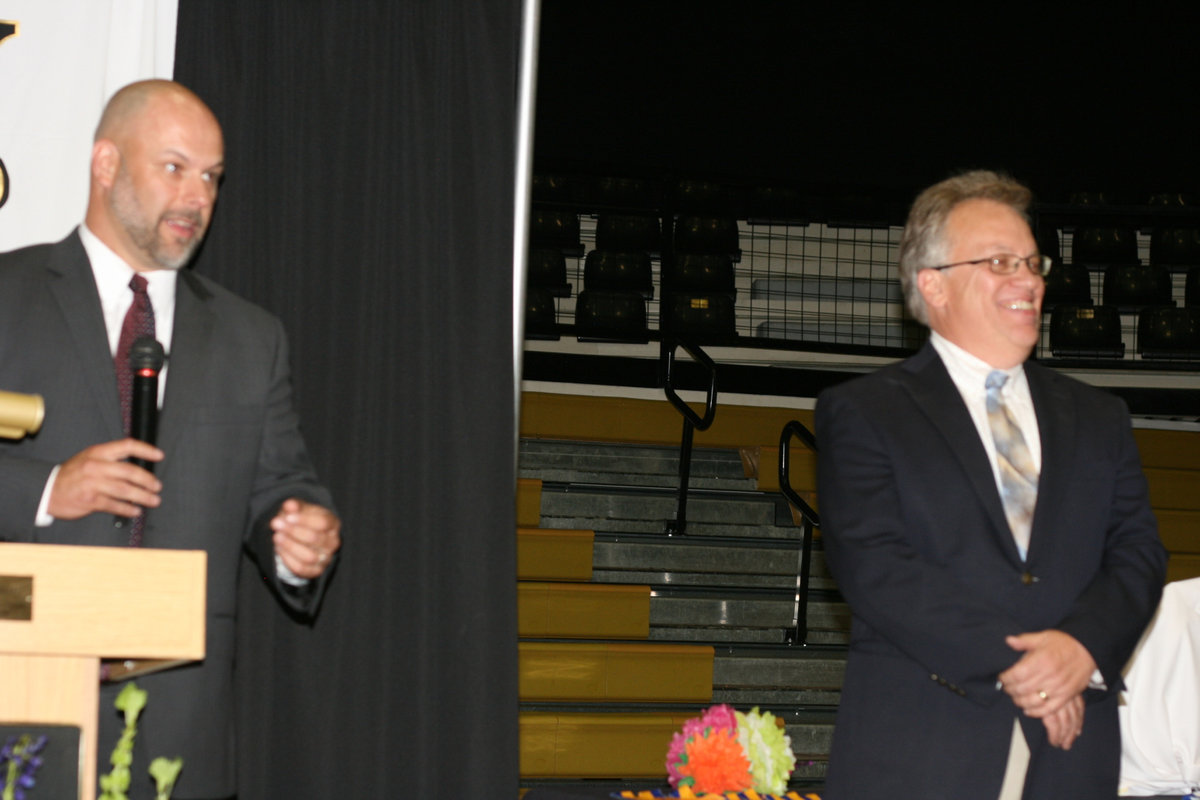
[233,452]
[916,536]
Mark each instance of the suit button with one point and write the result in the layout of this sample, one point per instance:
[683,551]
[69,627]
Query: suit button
[1027,578]
[933,677]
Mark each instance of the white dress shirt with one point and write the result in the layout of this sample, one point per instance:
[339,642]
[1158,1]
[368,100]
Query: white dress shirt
[969,374]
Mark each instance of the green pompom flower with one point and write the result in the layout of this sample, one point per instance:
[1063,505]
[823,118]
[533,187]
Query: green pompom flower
[769,749]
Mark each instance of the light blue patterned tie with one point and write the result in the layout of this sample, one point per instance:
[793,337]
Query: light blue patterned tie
[1018,475]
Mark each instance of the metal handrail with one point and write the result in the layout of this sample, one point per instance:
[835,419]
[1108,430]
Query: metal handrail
[710,400]
[692,422]
[809,520]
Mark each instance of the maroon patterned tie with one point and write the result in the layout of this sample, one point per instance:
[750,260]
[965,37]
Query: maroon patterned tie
[139,321]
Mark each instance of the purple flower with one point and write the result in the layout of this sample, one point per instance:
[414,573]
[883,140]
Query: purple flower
[23,753]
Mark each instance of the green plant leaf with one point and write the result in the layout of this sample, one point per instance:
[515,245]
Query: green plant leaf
[165,772]
[131,700]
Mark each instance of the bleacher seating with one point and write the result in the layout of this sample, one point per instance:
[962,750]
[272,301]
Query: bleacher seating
[1167,332]
[1086,332]
[548,270]
[1130,287]
[540,314]
[610,316]
[613,271]
[629,233]
[1069,284]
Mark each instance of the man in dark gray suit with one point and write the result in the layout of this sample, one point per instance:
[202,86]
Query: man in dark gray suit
[988,522]
[231,472]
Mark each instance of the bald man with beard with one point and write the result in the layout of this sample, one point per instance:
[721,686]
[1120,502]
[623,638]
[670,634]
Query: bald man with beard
[230,474]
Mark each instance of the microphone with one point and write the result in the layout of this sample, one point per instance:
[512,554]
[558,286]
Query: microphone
[145,361]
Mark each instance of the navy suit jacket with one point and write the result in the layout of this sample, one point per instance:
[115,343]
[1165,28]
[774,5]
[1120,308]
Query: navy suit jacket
[233,453]
[915,534]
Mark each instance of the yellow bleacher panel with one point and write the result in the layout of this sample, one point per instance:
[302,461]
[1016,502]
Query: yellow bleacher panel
[1179,531]
[596,672]
[1183,567]
[529,502]
[1168,449]
[582,611]
[596,745]
[554,555]
[660,672]
[607,419]
[1174,489]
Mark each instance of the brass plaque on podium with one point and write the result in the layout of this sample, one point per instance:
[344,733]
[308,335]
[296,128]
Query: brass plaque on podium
[16,597]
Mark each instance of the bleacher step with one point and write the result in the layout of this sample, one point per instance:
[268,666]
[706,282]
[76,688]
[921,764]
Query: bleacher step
[671,614]
[614,672]
[554,555]
[692,561]
[582,611]
[633,745]
[791,668]
[605,510]
[629,464]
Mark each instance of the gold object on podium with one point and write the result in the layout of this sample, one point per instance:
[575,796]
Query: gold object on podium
[20,414]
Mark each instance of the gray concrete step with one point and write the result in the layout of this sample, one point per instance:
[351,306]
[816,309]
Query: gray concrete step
[693,561]
[780,668]
[744,619]
[779,677]
[631,464]
[605,508]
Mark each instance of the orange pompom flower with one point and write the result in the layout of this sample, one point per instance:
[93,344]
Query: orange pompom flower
[715,762]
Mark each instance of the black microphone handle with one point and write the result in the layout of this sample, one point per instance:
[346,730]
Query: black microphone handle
[143,414]
[145,361]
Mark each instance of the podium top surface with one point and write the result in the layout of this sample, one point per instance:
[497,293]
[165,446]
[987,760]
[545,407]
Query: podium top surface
[107,601]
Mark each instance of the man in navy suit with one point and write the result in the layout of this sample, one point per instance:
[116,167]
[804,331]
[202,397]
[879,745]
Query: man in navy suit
[988,632]
[231,469]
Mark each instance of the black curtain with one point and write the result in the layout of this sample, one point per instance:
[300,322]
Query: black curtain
[368,202]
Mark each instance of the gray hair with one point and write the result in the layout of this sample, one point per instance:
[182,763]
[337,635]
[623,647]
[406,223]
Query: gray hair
[922,245]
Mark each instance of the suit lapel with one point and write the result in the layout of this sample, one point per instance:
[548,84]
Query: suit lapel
[74,288]
[929,383]
[189,362]
[1056,430]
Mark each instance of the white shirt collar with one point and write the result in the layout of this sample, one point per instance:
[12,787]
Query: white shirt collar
[969,372]
[112,276]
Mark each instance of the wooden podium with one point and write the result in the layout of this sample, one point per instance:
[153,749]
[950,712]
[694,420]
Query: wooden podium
[62,608]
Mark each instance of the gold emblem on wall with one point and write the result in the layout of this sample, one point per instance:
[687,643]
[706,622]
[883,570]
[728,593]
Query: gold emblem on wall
[7,28]
[3,184]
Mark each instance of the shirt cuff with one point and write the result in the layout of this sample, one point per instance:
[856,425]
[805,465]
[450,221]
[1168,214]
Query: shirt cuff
[43,518]
[286,575]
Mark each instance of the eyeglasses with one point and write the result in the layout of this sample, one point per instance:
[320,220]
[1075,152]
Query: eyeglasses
[1007,264]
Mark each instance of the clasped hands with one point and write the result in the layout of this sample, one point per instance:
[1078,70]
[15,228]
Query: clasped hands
[100,479]
[306,536]
[1047,682]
